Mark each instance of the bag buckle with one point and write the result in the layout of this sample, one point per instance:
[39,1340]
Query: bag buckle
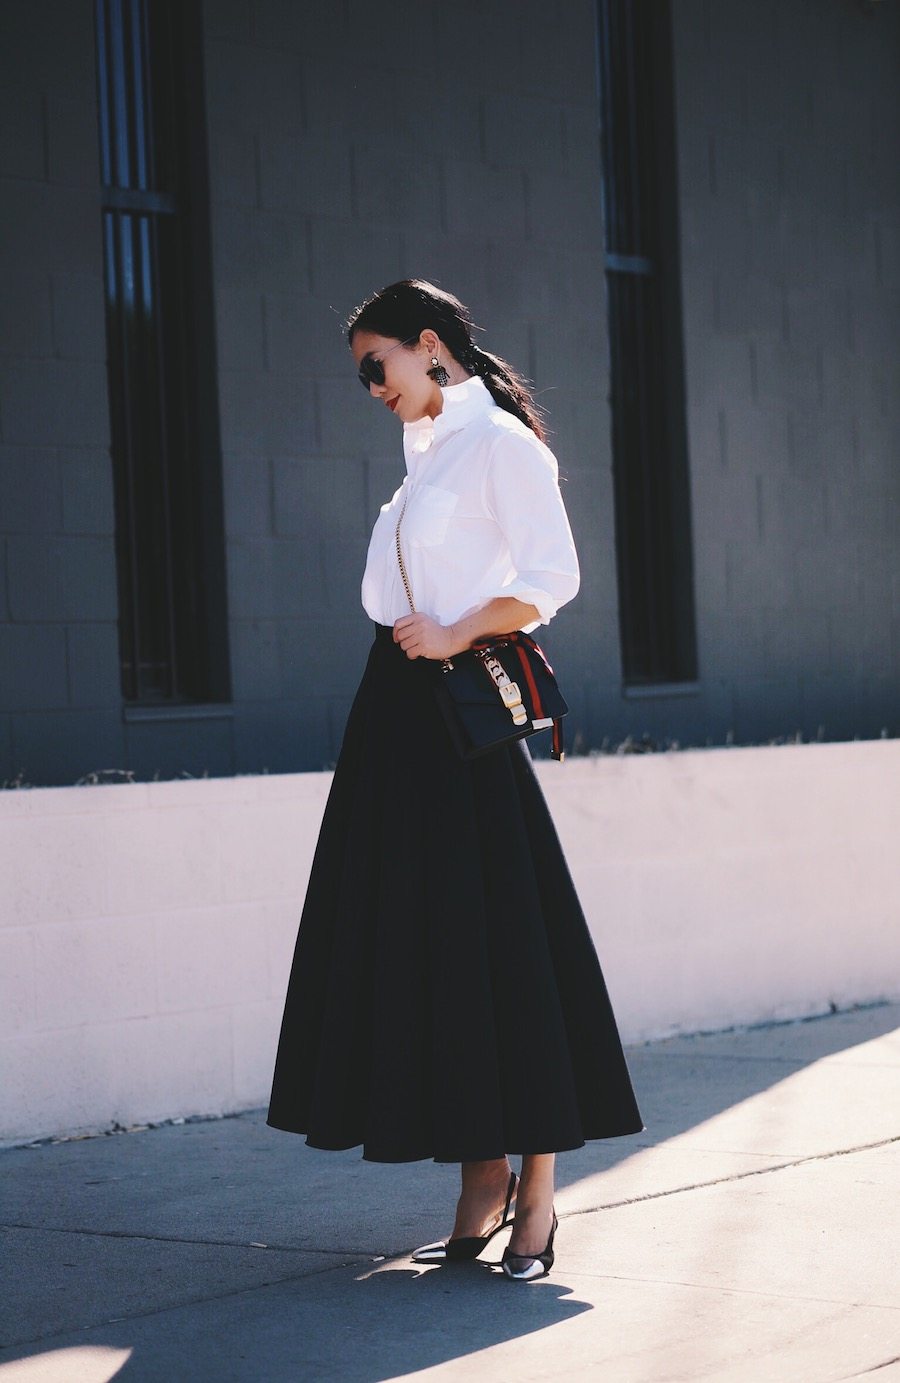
[512,700]
[509,691]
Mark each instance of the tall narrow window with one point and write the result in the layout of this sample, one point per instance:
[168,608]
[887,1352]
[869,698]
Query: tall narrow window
[653,528]
[165,446]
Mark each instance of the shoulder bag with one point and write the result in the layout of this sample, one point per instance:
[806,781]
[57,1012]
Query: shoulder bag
[500,689]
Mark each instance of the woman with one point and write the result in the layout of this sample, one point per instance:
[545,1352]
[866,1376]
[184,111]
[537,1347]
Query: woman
[445,999]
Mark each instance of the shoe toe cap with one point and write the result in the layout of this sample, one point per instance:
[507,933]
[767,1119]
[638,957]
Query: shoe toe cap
[522,1268]
[430,1253]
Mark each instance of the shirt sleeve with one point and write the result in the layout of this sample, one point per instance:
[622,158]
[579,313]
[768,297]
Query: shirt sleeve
[522,494]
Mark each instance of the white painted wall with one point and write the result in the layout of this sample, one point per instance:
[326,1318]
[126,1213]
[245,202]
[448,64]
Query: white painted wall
[148,928]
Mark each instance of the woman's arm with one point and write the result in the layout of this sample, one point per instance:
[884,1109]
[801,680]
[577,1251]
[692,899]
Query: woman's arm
[521,493]
[420,636]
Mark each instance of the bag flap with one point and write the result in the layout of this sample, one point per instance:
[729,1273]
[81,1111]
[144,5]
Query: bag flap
[468,683]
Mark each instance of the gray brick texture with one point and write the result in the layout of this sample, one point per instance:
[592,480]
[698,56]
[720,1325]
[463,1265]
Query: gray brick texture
[351,145]
[791,325]
[59,656]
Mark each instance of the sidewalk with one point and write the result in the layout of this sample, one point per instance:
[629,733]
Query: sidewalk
[749,1235]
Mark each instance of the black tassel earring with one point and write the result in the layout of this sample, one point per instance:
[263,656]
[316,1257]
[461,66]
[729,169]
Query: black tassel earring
[438,373]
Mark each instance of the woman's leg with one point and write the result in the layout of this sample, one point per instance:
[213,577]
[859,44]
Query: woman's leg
[534,1205]
[482,1198]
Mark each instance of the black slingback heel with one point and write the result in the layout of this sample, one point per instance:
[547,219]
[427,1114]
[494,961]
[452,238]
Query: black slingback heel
[527,1273]
[467,1246]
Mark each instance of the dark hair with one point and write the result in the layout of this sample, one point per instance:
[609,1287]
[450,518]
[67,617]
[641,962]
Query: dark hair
[405,309]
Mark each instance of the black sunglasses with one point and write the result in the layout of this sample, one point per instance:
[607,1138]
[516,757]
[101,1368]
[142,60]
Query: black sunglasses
[371,371]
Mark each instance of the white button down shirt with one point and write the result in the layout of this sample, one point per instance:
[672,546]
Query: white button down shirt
[484,517]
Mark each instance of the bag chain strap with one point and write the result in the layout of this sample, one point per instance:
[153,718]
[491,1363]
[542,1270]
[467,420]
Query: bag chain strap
[446,663]
[400,557]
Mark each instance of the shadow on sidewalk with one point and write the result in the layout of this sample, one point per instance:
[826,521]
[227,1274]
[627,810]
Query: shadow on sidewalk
[227,1250]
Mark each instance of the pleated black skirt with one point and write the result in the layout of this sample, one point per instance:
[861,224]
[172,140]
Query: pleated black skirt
[445,1000]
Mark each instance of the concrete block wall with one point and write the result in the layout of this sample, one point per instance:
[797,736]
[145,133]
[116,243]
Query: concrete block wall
[147,930]
[349,150]
[350,145]
[787,125]
[59,678]
[145,937]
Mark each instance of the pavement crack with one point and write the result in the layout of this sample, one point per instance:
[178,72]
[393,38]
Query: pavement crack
[180,1239]
[748,1059]
[735,1176]
[734,1291]
[864,1373]
[751,1059]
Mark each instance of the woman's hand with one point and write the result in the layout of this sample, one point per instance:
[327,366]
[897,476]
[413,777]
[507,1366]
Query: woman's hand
[420,636]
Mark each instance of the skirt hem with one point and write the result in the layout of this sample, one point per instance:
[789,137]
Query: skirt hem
[481,1155]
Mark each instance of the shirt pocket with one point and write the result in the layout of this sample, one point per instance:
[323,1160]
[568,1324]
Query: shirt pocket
[429,515]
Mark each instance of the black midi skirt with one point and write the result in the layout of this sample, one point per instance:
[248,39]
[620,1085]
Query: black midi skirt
[445,1000]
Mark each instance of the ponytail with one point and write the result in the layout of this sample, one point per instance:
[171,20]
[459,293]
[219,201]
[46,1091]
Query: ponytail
[505,385]
[405,309]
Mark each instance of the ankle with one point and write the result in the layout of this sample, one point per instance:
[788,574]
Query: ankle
[534,1201]
[481,1175]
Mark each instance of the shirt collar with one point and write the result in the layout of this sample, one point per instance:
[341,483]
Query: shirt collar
[462,403]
